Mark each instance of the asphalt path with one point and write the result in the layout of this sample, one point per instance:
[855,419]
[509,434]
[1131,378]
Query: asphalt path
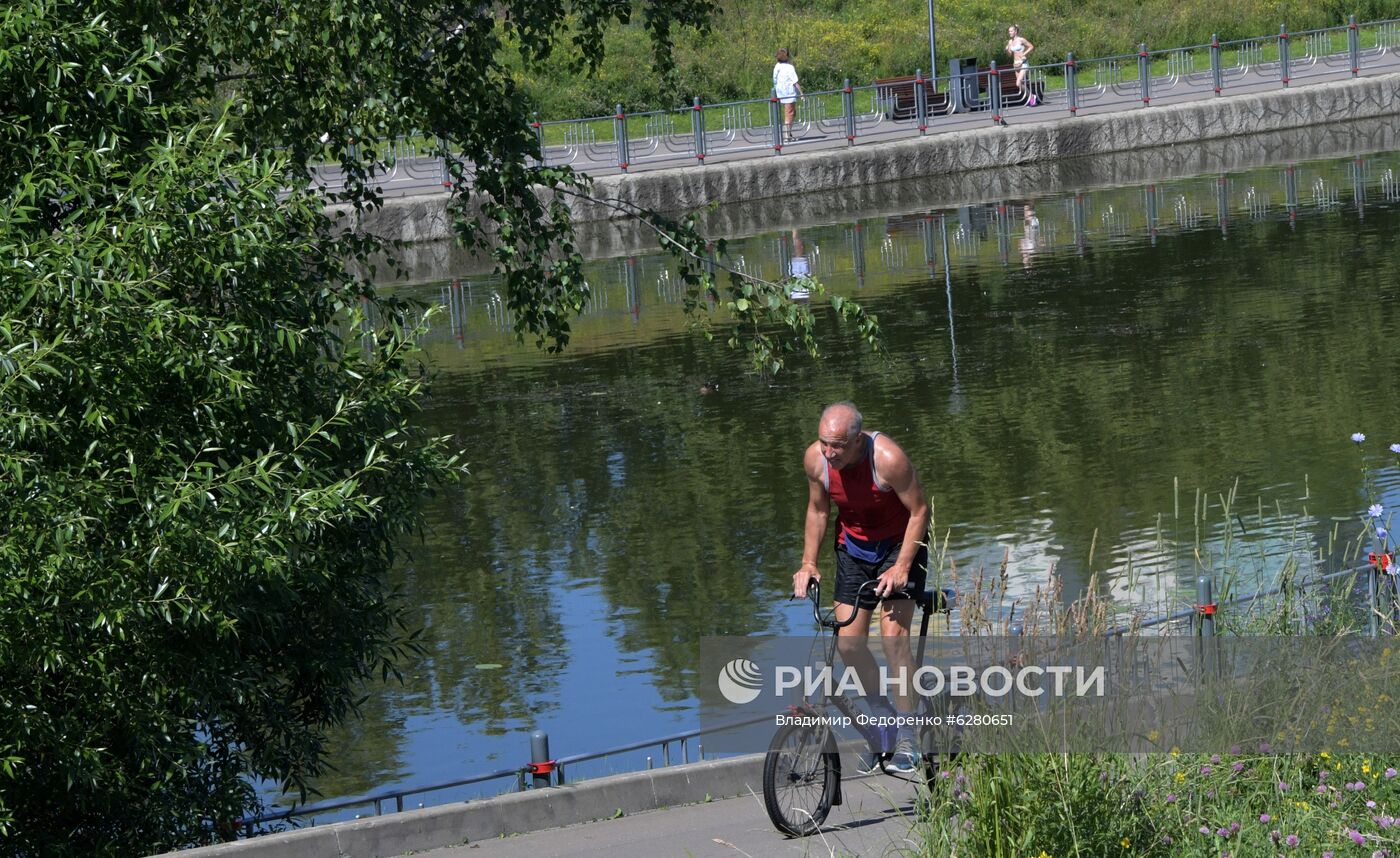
[415,175]
[875,820]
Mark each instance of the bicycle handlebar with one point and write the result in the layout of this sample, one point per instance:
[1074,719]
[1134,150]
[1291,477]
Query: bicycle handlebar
[814,592]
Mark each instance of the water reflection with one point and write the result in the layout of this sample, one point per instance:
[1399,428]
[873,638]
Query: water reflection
[1067,371]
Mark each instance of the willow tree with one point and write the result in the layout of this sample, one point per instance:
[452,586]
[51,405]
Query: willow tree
[208,452]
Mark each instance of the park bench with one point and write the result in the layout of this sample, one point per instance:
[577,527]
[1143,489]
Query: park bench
[897,97]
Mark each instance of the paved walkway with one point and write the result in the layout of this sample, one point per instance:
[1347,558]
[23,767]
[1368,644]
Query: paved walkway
[875,820]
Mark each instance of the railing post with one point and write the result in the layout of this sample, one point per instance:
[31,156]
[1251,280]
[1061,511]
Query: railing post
[1072,83]
[697,127]
[1373,581]
[1205,606]
[775,117]
[1144,73]
[540,763]
[848,111]
[446,174]
[994,92]
[1354,45]
[539,138]
[1283,54]
[620,131]
[1215,74]
[920,101]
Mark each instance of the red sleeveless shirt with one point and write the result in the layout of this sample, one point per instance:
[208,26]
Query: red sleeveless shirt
[870,510]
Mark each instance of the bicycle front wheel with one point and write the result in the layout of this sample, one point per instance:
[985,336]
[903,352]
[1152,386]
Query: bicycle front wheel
[801,774]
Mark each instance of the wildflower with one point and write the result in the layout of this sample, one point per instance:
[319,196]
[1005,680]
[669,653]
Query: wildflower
[1389,773]
[1153,736]
[1126,842]
[1327,854]
[1205,829]
[1274,835]
[1205,770]
[1395,448]
[1215,759]
[1358,437]
[1321,790]
[1043,854]
[1234,827]
[1356,837]
[1180,776]
[1283,786]
[1382,533]
[1371,804]
[1264,818]
[1375,510]
[1380,853]
[1237,767]
[1291,840]
[1171,797]
[1167,839]
[1234,750]
[1265,748]
[1222,832]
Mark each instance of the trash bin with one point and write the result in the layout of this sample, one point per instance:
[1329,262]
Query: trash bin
[962,83]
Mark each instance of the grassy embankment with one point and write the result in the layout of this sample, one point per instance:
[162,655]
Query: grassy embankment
[868,39]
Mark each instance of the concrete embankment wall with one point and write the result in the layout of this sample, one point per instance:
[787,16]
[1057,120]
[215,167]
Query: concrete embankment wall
[485,819]
[975,153]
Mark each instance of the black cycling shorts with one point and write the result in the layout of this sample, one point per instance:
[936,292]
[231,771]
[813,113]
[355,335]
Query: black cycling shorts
[851,573]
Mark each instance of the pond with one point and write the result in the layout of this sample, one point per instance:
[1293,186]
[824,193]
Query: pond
[1116,385]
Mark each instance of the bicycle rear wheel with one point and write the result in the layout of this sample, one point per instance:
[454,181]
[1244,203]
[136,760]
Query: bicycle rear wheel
[801,774]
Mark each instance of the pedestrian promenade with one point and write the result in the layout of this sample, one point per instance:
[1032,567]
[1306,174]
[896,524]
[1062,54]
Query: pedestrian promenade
[875,820]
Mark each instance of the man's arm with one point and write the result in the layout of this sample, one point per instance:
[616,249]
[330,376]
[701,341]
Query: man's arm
[893,467]
[814,528]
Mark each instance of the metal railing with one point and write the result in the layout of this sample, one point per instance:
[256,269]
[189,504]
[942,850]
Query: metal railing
[540,771]
[920,104]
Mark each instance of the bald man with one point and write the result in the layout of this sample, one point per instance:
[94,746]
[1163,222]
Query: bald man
[882,522]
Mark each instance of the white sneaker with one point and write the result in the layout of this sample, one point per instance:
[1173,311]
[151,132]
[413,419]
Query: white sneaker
[905,759]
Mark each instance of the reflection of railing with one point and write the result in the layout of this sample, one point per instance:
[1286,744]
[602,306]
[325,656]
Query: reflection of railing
[475,307]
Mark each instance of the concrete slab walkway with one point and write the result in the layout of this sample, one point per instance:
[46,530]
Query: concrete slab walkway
[875,820]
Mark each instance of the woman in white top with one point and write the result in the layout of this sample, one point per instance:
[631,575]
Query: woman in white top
[1019,47]
[786,89]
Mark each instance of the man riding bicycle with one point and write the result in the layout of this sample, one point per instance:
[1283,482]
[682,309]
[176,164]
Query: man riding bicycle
[883,517]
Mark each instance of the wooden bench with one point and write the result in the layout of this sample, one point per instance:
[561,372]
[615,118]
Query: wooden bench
[897,96]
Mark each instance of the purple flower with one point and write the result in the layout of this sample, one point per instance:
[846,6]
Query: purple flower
[1283,786]
[1265,748]
[1205,770]
[1274,835]
[1223,832]
[1375,510]
[1379,853]
[1322,776]
[1171,797]
[1384,821]
[1265,818]
[1291,840]
[1215,758]
[1356,837]
[1371,804]
[1358,437]
[1237,767]
[1389,773]
[1321,790]
[1395,448]
[1234,750]
[1205,829]
[1327,854]
[1357,787]
[1382,533]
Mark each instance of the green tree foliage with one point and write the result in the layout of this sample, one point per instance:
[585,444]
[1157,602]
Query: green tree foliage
[207,416]
[206,456]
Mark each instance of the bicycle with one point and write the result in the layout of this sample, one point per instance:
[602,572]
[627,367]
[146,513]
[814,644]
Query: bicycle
[802,768]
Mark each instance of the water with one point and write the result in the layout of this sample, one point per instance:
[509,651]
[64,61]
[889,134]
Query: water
[1084,382]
